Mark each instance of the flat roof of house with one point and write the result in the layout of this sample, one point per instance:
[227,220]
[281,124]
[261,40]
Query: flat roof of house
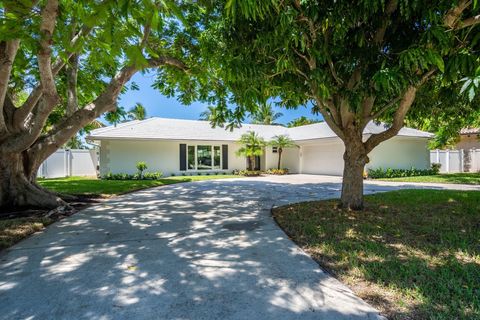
[178,129]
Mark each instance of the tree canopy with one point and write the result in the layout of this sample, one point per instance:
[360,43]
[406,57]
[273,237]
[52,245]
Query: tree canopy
[64,63]
[353,62]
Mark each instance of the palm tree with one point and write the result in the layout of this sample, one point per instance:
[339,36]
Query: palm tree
[252,146]
[281,142]
[209,114]
[301,121]
[116,117]
[138,112]
[266,115]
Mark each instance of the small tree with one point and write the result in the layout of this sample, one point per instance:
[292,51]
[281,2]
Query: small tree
[281,142]
[252,146]
[141,166]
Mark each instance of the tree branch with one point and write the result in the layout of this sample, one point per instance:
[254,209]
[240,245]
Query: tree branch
[8,51]
[72,75]
[167,61]
[398,120]
[49,15]
[452,17]
[382,110]
[32,100]
[380,33]
[330,115]
[468,22]
[105,102]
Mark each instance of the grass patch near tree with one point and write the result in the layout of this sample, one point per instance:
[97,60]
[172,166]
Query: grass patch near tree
[14,230]
[413,254]
[99,187]
[457,178]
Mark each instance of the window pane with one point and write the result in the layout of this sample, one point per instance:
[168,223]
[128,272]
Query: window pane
[204,157]
[191,158]
[216,157]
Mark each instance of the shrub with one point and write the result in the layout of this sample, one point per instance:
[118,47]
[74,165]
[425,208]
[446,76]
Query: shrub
[248,173]
[436,167]
[380,173]
[137,176]
[172,175]
[141,166]
[277,171]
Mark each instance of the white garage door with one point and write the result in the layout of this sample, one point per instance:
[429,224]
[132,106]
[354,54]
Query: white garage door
[323,158]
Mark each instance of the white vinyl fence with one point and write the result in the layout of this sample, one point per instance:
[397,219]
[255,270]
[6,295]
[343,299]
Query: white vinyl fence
[70,162]
[456,160]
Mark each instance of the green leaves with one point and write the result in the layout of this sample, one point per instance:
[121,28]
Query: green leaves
[421,59]
[470,87]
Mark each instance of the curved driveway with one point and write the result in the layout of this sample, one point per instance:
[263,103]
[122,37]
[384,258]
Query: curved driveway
[203,250]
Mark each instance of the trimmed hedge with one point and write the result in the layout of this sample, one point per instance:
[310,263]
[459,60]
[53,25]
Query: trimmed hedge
[137,176]
[381,173]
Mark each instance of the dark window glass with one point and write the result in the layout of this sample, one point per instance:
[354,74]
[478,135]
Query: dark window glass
[204,157]
[191,157]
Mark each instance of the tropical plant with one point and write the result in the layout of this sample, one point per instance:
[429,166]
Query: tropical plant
[74,58]
[141,166]
[117,116]
[138,112]
[208,114]
[265,114]
[251,146]
[353,62]
[281,142]
[302,121]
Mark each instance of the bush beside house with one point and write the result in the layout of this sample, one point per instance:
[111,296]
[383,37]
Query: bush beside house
[381,173]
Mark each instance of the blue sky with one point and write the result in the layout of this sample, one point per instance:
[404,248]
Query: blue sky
[160,106]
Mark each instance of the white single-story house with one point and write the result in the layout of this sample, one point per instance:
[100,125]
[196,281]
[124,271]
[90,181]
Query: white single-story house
[175,146]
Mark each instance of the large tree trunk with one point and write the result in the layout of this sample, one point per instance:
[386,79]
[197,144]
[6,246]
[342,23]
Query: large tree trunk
[355,158]
[18,187]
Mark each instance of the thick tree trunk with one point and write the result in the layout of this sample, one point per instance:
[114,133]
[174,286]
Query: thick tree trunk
[18,187]
[279,158]
[355,159]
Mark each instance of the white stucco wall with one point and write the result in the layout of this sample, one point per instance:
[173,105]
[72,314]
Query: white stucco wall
[314,157]
[326,157]
[290,159]
[121,156]
[401,153]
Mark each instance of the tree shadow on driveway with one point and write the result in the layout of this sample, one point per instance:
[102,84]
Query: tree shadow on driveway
[203,250]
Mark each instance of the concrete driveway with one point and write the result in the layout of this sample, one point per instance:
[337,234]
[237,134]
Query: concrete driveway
[203,250]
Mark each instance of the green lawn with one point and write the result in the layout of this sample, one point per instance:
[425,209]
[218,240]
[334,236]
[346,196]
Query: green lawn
[91,186]
[413,254]
[462,178]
